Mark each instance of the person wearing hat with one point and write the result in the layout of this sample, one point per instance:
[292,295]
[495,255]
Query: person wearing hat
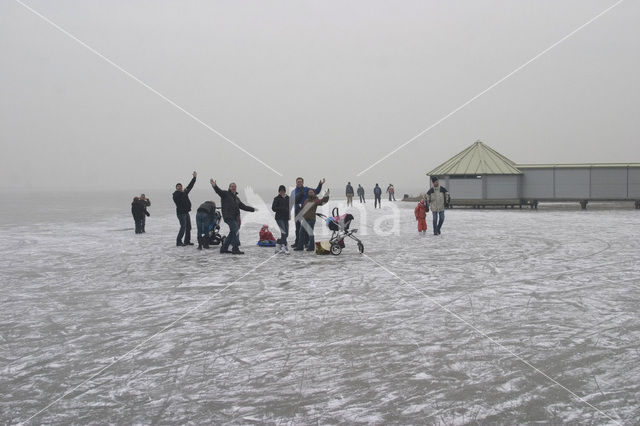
[437,196]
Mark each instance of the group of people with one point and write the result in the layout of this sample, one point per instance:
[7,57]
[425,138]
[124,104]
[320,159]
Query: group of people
[305,203]
[303,199]
[377,194]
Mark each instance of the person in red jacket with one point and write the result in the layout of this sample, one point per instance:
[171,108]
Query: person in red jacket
[265,234]
[421,216]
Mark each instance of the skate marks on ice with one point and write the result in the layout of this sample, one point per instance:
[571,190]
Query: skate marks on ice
[326,339]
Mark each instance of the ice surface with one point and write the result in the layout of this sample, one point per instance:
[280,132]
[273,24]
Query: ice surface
[323,339]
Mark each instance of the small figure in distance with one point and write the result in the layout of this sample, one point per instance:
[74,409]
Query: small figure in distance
[139,212]
[349,194]
[361,194]
[377,193]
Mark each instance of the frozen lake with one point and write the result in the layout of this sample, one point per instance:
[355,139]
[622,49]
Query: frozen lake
[508,317]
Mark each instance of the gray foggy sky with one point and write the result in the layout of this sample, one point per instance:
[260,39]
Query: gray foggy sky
[311,88]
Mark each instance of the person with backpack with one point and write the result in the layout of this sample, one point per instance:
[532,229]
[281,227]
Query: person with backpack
[349,194]
[391,191]
[377,193]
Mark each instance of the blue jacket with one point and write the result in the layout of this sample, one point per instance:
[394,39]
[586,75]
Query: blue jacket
[299,196]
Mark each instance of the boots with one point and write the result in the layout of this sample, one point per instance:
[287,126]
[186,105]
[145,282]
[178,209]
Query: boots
[278,248]
[286,249]
[205,242]
[199,242]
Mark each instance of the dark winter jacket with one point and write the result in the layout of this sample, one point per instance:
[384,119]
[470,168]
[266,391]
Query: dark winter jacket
[377,191]
[181,198]
[280,205]
[208,207]
[231,204]
[349,190]
[360,190]
[139,207]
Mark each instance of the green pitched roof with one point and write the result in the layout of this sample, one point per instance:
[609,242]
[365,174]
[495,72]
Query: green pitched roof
[478,159]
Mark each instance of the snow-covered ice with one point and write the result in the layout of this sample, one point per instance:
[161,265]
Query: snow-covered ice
[510,316]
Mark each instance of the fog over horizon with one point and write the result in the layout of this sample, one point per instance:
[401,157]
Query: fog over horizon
[313,89]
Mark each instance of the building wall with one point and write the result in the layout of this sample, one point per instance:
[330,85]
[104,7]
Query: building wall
[465,188]
[572,183]
[608,183]
[502,187]
[537,183]
[634,183]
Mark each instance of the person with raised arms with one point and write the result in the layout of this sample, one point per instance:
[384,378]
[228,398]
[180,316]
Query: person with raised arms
[298,197]
[183,207]
[231,206]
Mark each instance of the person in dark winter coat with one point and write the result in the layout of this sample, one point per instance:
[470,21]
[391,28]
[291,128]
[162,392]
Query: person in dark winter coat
[282,209]
[349,194]
[205,215]
[183,207]
[299,196]
[139,212]
[438,197]
[377,193]
[361,193]
[231,206]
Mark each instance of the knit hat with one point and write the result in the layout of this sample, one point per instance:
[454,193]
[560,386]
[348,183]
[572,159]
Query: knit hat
[265,226]
[434,178]
[282,188]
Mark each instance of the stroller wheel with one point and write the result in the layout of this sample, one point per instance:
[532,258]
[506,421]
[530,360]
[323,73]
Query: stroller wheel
[336,249]
[360,247]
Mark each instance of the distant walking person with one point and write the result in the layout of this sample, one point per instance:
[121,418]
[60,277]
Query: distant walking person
[377,193]
[231,206]
[437,196]
[349,194]
[205,216]
[391,191]
[183,207]
[298,197]
[282,209]
[421,216]
[361,193]
[139,212]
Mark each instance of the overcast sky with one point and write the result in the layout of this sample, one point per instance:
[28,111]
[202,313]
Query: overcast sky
[312,88]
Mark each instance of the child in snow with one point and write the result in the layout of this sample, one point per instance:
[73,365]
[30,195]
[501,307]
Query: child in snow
[265,235]
[421,216]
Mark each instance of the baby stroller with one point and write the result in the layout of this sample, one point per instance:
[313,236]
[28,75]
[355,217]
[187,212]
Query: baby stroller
[340,227]
[214,230]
